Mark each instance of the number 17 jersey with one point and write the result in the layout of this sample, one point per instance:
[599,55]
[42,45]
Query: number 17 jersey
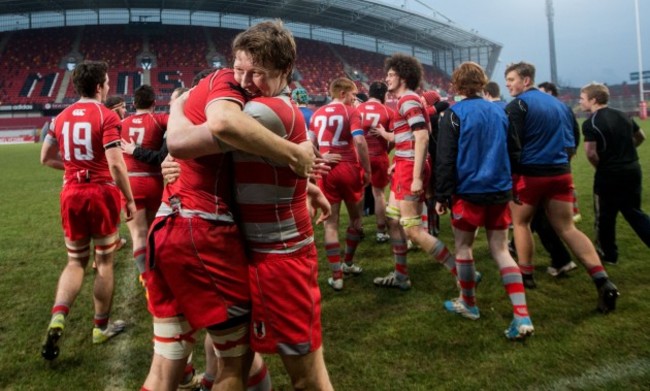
[373,114]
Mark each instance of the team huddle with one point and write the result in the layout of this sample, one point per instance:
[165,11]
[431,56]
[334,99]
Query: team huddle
[220,197]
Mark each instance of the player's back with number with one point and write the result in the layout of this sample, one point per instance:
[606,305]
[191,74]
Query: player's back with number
[331,124]
[372,115]
[148,131]
[82,131]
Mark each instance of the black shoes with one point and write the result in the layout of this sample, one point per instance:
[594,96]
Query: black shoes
[50,349]
[607,295]
[529,281]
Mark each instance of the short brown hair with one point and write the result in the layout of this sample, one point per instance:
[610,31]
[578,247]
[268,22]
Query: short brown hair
[597,91]
[469,78]
[269,44]
[144,97]
[493,89]
[407,68]
[342,84]
[87,75]
[523,69]
[548,87]
[114,101]
[378,91]
[201,74]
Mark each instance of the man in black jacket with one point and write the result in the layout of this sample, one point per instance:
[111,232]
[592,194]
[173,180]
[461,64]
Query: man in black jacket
[611,139]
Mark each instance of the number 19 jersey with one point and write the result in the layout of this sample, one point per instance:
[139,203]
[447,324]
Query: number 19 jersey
[82,131]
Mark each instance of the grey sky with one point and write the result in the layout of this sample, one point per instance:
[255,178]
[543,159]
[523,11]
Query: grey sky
[595,40]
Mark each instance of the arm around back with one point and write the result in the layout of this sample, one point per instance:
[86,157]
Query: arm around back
[229,124]
[117,167]
[186,140]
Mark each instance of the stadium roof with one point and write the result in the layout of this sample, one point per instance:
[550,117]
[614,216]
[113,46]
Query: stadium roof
[371,18]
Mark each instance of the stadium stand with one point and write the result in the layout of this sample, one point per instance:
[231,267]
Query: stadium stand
[181,47]
[35,49]
[34,86]
[179,52]
[370,66]
[317,65]
[111,44]
[436,78]
[32,62]
[29,64]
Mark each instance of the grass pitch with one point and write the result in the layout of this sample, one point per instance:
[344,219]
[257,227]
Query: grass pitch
[375,339]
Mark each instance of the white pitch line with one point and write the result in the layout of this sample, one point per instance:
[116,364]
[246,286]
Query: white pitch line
[601,376]
[119,356]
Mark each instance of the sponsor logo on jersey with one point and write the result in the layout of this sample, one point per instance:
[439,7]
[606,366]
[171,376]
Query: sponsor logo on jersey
[137,120]
[79,112]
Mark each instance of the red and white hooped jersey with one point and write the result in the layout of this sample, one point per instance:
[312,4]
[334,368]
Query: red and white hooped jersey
[333,125]
[272,199]
[410,112]
[148,131]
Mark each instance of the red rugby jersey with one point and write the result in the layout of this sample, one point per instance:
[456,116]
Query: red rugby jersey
[333,125]
[82,131]
[205,185]
[148,131]
[373,114]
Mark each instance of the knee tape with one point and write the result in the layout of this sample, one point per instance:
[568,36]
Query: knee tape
[409,222]
[78,251]
[392,212]
[106,245]
[173,341]
[233,344]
